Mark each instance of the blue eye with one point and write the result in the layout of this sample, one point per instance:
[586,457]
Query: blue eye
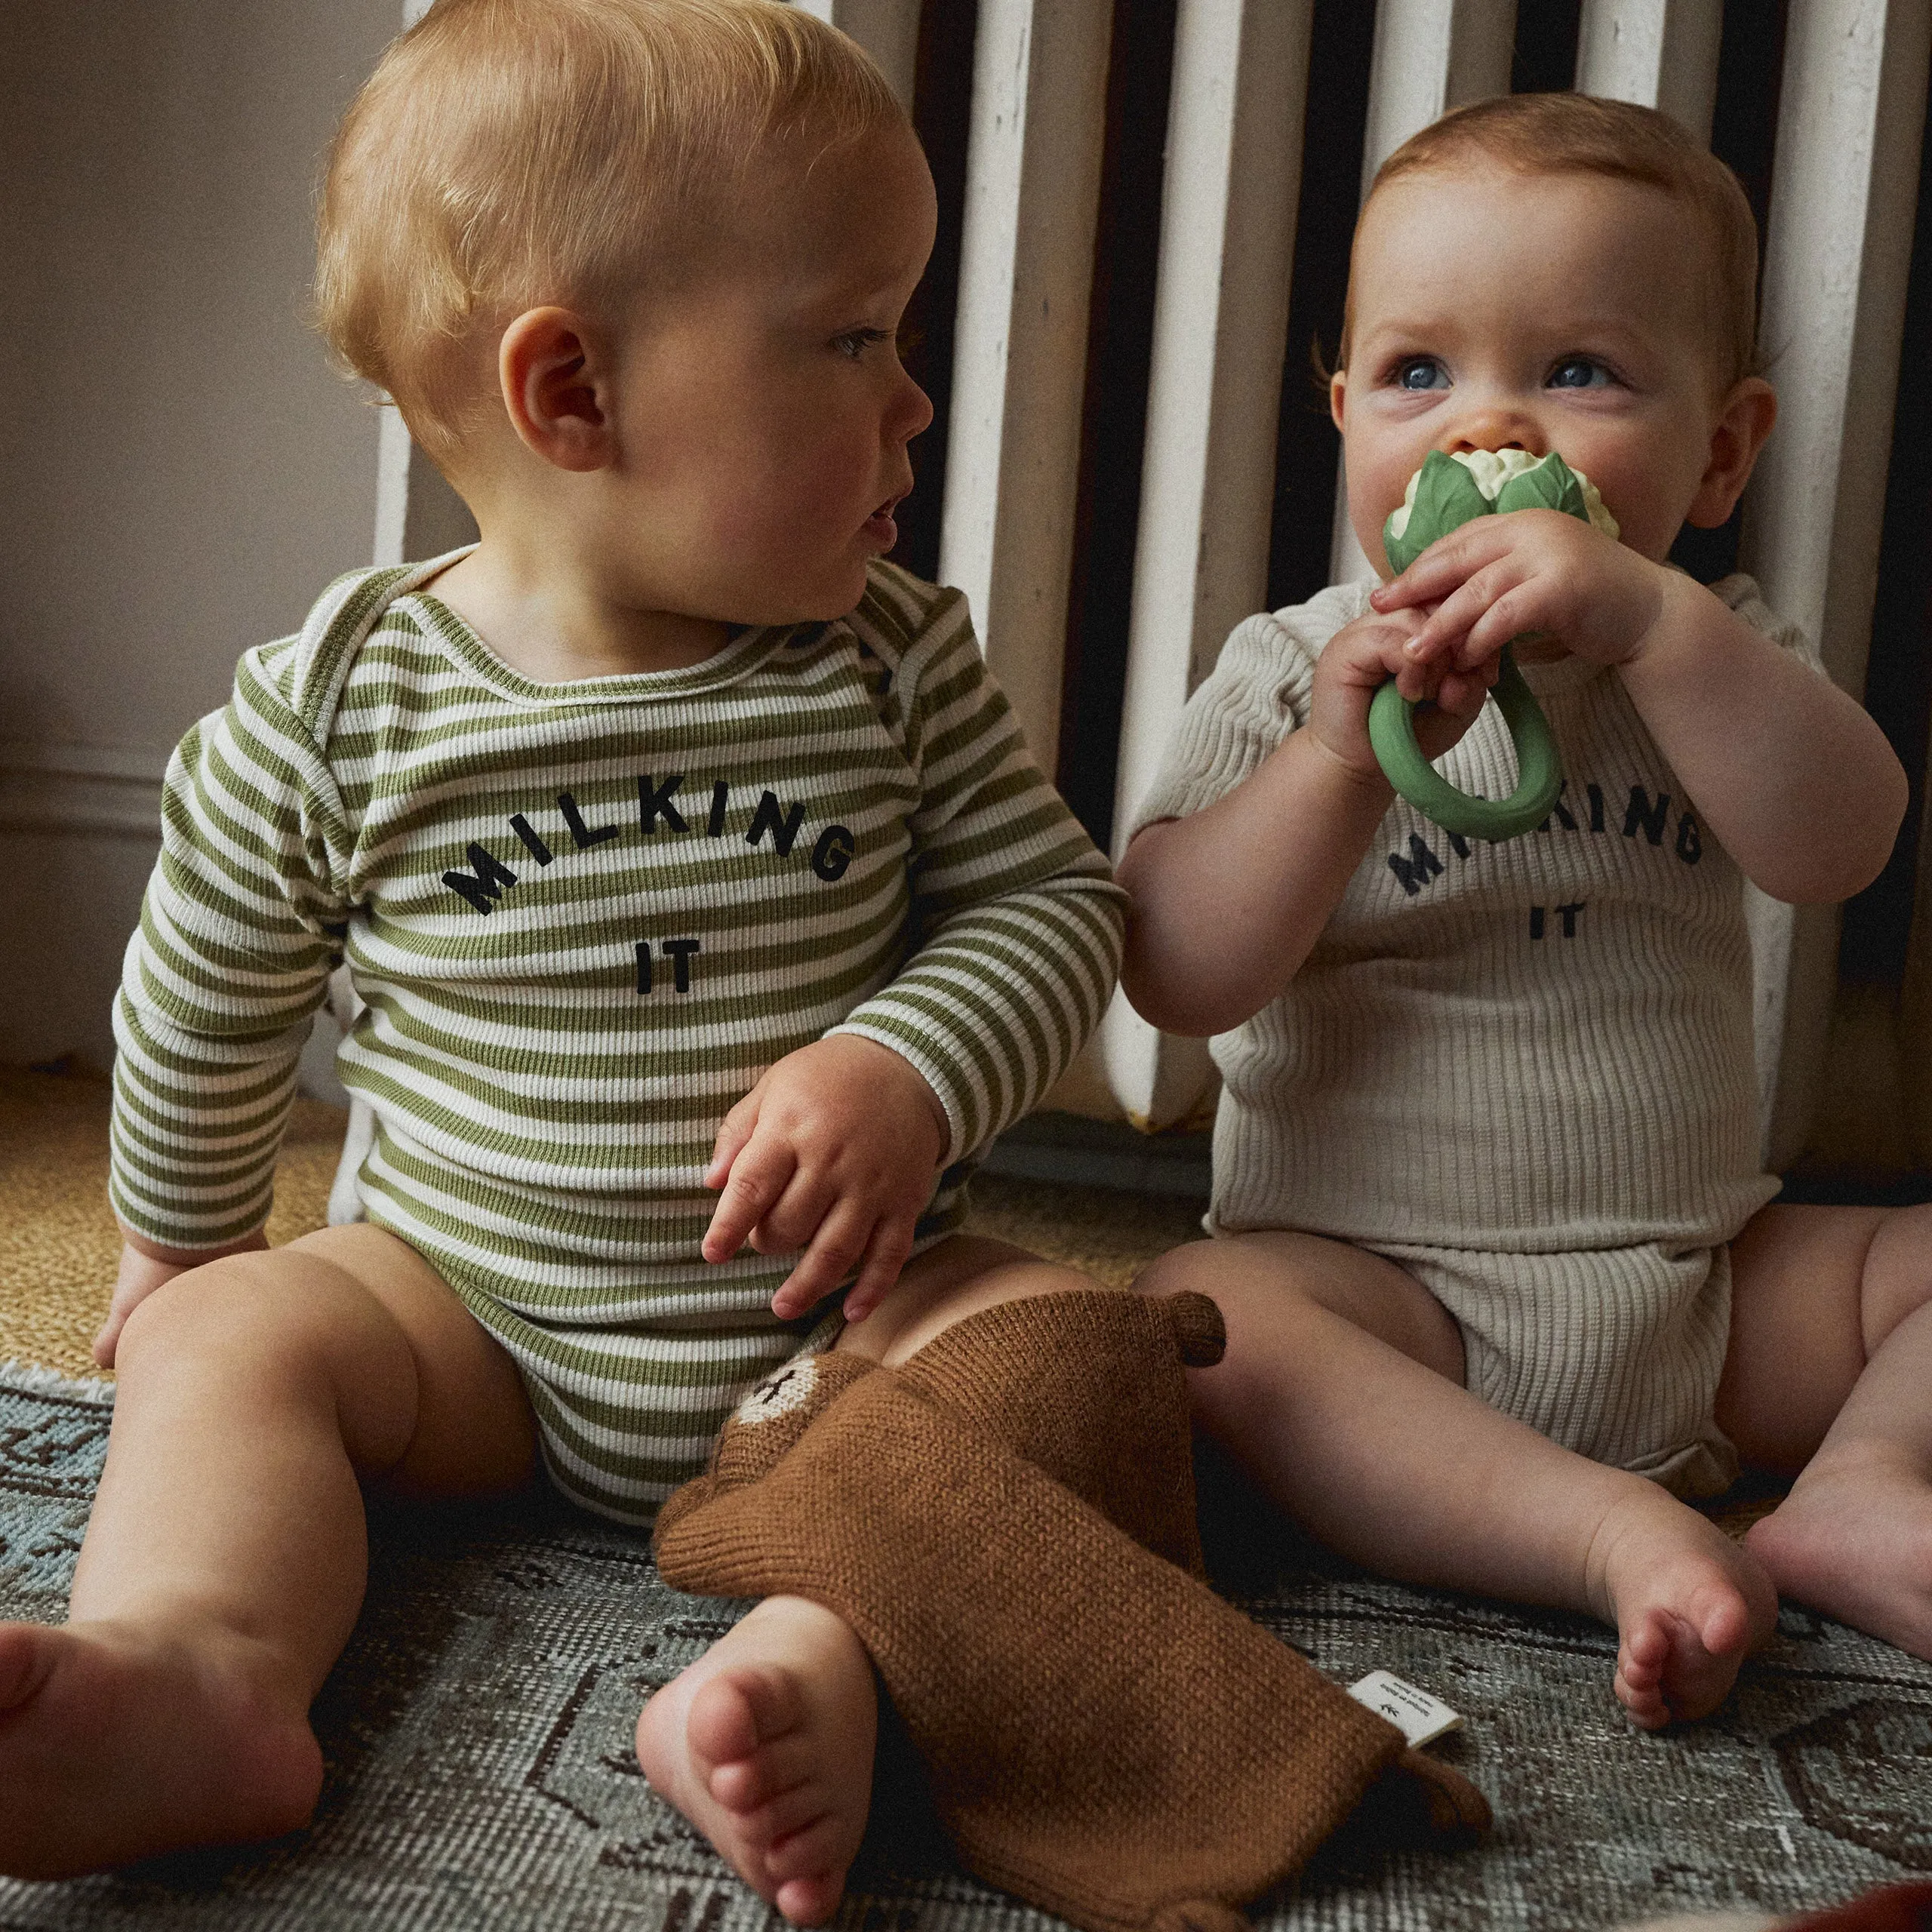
[1579,372]
[1421,372]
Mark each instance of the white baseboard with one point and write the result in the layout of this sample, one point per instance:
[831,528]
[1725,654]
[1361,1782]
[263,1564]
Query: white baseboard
[100,790]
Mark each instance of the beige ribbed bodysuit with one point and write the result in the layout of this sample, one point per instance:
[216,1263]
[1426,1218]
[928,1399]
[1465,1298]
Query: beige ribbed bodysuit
[1523,1070]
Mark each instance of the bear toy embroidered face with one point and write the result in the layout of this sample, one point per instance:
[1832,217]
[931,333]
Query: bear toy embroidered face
[777,1412]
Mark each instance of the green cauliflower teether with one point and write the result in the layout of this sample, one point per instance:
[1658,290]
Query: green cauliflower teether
[1443,495]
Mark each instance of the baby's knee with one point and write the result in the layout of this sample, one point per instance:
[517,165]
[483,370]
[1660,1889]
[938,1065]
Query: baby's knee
[1212,1268]
[1245,1286]
[1898,1272]
[274,1317]
[1195,1267]
[188,1311]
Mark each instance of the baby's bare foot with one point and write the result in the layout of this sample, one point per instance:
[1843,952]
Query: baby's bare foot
[1687,1605]
[117,1743]
[1854,1540]
[765,1744]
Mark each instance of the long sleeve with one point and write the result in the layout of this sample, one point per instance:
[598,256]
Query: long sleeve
[238,931]
[1018,927]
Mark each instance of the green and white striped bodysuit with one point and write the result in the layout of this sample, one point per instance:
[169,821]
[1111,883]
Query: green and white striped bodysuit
[585,918]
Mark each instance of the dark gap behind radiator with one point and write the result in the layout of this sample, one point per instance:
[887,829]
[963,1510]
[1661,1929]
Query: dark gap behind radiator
[942,112]
[1113,428]
[1877,932]
[1341,48]
[1744,132]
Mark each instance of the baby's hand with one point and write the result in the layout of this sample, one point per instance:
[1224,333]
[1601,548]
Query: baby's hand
[1531,571]
[1362,657]
[833,1151]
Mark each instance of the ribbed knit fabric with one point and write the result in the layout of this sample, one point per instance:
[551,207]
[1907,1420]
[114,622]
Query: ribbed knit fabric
[1103,1736]
[1535,1048]
[585,917]
[1615,1353]
[1088,1386]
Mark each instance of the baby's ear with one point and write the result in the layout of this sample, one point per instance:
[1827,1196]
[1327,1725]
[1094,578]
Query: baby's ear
[1744,421]
[551,367]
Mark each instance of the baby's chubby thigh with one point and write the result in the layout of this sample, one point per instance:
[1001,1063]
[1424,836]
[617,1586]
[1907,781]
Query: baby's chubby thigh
[471,1430]
[224,1555]
[345,1340]
[959,1276]
[1614,1353]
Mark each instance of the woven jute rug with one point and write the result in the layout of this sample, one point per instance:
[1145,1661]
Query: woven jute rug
[478,1728]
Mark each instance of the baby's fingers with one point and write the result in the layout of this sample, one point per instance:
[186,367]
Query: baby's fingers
[108,1338]
[734,1132]
[1457,630]
[888,1252]
[1419,683]
[1458,697]
[759,1176]
[1524,607]
[1447,563]
[1365,654]
[1461,692]
[841,1238]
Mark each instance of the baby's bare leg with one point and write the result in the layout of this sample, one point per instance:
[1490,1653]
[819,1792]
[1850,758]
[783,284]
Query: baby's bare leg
[225,1558]
[1830,1374]
[1341,1393]
[766,1742]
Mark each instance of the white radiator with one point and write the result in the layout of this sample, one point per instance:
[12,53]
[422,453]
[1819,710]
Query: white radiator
[1851,109]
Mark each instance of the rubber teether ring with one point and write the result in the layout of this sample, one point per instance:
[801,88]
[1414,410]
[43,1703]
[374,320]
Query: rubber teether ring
[1391,733]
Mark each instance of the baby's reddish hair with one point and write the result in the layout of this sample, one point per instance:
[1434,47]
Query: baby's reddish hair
[508,153]
[1576,134]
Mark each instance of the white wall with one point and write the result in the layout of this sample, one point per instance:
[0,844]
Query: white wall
[180,472]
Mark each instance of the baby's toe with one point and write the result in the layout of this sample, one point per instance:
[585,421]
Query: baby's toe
[810,1901]
[745,1783]
[738,1711]
[780,1819]
[1695,1679]
[1643,1655]
[1643,1704]
[1644,1650]
[1721,1620]
[816,1849]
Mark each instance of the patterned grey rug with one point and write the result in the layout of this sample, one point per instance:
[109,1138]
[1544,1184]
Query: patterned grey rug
[481,1776]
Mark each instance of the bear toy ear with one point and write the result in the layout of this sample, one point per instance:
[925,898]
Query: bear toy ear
[1200,1334]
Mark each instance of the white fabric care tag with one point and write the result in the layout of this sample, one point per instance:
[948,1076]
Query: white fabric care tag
[1418,1716]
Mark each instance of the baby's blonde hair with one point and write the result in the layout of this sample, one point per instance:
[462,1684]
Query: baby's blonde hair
[1575,134]
[507,153]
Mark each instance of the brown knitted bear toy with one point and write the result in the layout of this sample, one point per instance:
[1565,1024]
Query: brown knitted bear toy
[1007,1521]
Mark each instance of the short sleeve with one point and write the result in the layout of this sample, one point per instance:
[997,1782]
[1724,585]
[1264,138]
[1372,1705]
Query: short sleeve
[1256,694]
